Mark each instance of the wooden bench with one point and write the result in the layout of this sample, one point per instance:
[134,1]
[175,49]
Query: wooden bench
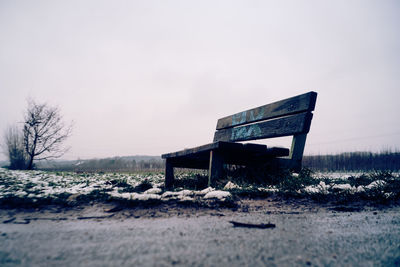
[288,117]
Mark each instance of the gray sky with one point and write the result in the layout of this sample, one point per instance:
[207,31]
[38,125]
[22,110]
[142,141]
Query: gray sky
[151,77]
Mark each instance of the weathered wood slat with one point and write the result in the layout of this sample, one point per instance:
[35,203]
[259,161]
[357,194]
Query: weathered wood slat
[189,151]
[205,148]
[291,125]
[255,157]
[293,105]
[201,151]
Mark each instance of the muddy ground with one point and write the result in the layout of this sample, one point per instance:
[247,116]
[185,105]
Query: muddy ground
[99,234]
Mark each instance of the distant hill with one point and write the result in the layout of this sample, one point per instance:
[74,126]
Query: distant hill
[4,163]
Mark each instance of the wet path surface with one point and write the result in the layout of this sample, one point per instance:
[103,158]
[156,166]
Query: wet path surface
[308,237]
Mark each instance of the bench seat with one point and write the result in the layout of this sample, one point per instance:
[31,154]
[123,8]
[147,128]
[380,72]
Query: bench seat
[233,153]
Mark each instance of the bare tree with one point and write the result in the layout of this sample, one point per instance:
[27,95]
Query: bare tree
[14,148]
[44,132]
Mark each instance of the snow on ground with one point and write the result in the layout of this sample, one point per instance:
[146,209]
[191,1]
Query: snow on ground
[218,194]
[342,175]
[42,184]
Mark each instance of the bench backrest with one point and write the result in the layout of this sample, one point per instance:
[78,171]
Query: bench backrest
[283,118]
[288,117]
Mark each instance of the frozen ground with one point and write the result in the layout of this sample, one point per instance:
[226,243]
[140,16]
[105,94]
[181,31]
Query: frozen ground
[180,231]
[35,186]
[305,235]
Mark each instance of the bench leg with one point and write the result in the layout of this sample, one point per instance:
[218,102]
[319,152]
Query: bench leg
[215,167]
[296,152]
[169,174]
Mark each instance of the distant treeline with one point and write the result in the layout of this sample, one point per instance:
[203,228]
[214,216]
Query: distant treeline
[351,161]
[354,161]
[115,164]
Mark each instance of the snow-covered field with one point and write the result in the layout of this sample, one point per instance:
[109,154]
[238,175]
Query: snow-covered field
[379,185]
[36,185]
[46,185]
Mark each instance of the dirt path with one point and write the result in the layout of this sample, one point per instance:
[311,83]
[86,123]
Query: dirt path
[106,235]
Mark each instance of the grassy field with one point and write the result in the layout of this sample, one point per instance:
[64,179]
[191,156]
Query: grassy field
[35,188]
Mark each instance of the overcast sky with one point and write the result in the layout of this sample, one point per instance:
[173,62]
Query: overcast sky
[151,77]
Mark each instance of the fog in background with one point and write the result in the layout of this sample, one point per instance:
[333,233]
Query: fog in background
[151,77]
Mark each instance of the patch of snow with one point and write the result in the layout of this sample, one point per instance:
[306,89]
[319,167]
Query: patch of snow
[343,187]
[169,194]
[177,195]
[268,189]
[153,190]
[116,194]
[229,185]
[218,194]
[144,197]
[360,189]
[319,188]
[337,175]
[204,191]
[158,185]
[186,193]
[374,184]
[311,189]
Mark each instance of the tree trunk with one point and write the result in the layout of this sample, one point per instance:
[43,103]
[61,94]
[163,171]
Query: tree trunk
[30,165]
